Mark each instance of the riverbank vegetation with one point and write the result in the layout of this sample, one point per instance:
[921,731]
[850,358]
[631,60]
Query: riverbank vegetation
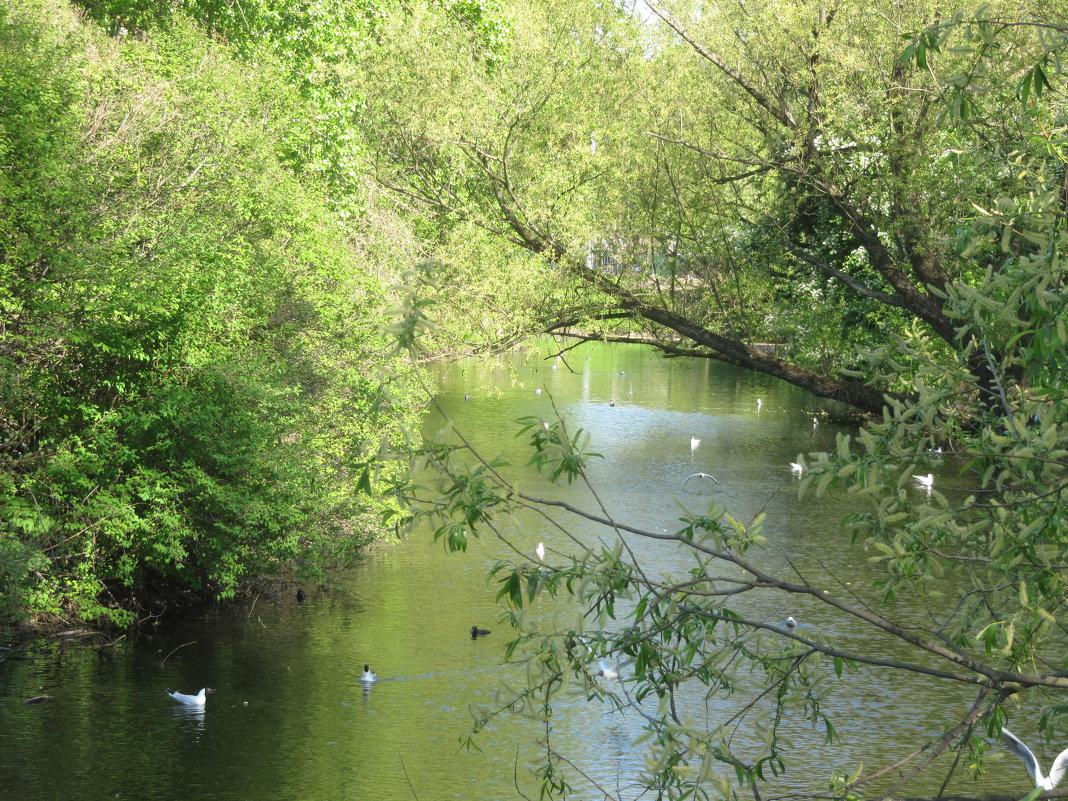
[192,346]
[211,212]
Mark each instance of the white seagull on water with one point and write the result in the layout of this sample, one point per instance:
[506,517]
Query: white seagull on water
[368,675]
[700,475]
[610,670]
[1056,773]
[199,699]
[926,481]
[694,442]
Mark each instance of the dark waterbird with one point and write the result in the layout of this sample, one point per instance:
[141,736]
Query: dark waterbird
[477,632]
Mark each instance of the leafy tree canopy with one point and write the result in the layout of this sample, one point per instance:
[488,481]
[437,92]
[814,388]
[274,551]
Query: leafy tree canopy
[191,351]
[721,179]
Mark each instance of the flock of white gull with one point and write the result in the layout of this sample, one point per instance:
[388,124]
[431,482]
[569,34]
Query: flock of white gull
[610,670]
[797,468]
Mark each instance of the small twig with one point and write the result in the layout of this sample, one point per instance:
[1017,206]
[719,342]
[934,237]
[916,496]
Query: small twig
[1001,389]
[183,645]
[604,791]
[408,779]
[933,747]
[953,767]
[515,777]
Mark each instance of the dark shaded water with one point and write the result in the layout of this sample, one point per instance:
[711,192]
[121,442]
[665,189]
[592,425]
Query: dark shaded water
[291,721]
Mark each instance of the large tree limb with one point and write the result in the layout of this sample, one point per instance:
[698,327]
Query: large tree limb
[711,344]
[923,267]
[857,286]
[734,351]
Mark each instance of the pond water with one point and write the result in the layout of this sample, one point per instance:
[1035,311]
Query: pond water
[290,720]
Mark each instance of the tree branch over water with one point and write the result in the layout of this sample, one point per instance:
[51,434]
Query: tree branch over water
[764,176]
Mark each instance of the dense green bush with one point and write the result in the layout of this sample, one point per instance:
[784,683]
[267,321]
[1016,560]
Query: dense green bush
[189,346]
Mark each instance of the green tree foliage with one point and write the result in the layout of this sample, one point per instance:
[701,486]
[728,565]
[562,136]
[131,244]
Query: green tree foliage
[920,168]
[986,553]
[318,47]
[723,172]
[314,47]
[191,351]
[437,118]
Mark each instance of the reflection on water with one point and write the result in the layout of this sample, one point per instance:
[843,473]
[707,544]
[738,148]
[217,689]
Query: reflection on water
[291,720]
[189,717]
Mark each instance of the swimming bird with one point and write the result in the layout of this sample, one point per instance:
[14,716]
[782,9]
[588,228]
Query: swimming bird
[797,468]
[925,481]
[700,475]
[540,551]
[1056,773]
[694,442]
[477,632]
[301,595]
[368,676]
[537,391]
[199,699]
[608,670]
[759,404]
[790,622]
[815,422]
[467,396]
[574,641]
